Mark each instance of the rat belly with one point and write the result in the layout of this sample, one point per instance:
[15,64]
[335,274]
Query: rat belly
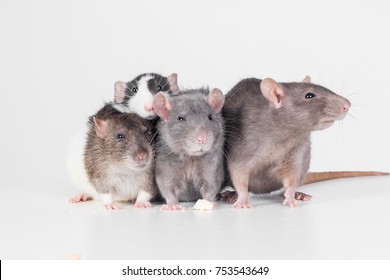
[261,182]
[190,179]
[125,185]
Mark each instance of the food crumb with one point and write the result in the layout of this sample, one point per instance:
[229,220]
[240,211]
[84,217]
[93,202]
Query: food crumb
[203,204]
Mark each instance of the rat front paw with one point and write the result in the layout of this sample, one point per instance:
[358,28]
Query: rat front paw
[172,207]
[80,198]
[242,205]
[142,204]
[112,206]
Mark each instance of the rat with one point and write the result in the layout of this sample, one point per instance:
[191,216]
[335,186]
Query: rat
[117,162]
[268,127]
[136,96]
[189,146]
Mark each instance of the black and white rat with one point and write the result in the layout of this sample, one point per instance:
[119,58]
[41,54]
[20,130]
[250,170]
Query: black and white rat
[117,162]
[189,147]
[136,96]
[268,126]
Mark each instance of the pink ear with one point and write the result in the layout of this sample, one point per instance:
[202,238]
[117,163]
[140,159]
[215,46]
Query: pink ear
[307,79]
[172,80]
[120,91]
[162,106]
[100,127]
[272,91]
[216,100]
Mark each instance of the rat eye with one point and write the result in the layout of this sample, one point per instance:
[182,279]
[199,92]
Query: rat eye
[120,136]
[159,88]
[134,89]
[181,119]
[210,117]
[310,95]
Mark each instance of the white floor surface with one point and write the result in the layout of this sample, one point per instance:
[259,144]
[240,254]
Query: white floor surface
[346,219]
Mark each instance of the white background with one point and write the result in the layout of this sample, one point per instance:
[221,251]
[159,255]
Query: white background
[60,59]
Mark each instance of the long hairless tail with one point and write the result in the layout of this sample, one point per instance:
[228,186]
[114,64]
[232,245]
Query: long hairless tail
[313,177]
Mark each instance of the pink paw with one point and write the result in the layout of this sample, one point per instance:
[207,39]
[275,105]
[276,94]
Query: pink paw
[172,207]
[227,196]
[142,204]
[291,202]
[302,196]
[112,206]
[80,198]
[242,205]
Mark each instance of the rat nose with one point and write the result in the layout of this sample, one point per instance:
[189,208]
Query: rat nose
[202,138]
[346,107]
[148,107]
[141,155]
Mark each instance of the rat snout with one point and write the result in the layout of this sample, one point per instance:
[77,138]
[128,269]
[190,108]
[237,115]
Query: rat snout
[201,137]
[346,106]
[149,107]
[141,155]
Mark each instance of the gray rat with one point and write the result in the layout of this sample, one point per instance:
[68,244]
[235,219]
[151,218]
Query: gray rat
[268,127]
[136,96]
[117,163]
[189,146]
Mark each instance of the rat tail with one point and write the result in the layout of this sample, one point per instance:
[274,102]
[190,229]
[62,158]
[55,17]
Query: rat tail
[313,177]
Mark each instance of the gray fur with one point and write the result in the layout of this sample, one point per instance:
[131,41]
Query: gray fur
[269,142]
[181,173]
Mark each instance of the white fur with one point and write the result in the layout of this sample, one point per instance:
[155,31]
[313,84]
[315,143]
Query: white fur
[75,164]
[142,97]
[144,196]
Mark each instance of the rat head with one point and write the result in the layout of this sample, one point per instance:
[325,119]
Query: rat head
[126,140]
[305,104]
[136,96]
[191,122]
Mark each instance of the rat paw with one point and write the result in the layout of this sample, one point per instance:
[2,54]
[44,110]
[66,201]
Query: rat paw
[302,196]
[290,202]
[242,205]
[80,198]
[142,204]
[112,206]
[172,207]
[227,196]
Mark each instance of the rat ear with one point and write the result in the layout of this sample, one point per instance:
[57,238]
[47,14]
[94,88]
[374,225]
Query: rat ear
[172,81]
[100,127]
[162,106]
[307,79]
[120,91]
[216,100]
[272,91]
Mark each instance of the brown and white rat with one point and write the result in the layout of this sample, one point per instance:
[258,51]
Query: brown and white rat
[136,96]
[117,163]
[268,126]
[189,147]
